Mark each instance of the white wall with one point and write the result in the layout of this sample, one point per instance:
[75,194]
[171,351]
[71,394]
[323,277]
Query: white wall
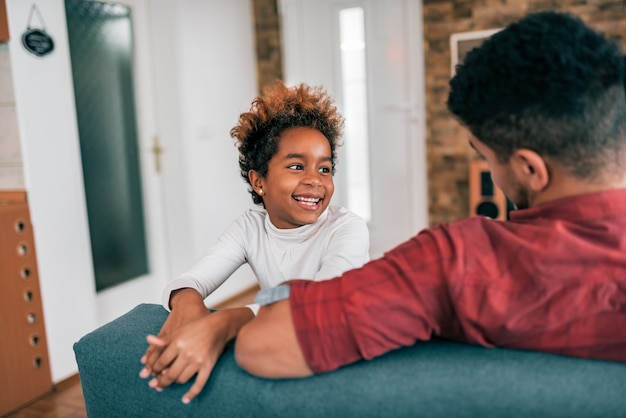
[205,74]
[49,138]
[218,82]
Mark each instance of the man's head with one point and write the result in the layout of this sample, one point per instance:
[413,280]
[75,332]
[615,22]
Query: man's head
[551,85]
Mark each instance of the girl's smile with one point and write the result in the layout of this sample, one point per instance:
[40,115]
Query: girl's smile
[308,203]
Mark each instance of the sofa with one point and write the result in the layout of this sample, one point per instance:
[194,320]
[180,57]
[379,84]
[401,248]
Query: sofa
[430,379]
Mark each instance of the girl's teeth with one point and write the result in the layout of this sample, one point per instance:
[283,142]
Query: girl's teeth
[308,201]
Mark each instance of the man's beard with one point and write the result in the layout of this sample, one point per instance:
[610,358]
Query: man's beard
[520,199]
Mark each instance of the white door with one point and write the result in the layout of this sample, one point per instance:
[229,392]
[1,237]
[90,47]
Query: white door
[147,288]
[394,168]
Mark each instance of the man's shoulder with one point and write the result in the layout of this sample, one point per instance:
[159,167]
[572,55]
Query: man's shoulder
[473,222]
[472,226]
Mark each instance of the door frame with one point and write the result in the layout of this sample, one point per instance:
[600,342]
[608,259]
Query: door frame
[304,25]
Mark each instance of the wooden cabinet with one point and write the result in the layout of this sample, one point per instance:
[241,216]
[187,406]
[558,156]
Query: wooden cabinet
[4,23]
[24,365]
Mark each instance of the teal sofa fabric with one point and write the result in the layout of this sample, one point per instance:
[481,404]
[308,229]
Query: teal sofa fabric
[430,379]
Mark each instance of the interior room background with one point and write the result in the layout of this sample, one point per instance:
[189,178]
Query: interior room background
[207,60]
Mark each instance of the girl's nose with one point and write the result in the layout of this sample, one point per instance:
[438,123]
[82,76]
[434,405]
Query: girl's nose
[313,179]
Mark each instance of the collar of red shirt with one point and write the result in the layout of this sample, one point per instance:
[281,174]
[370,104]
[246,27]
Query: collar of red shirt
[585,206]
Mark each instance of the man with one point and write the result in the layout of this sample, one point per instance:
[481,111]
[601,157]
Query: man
[544,104]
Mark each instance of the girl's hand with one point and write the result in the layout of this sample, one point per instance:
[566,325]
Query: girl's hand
[195,348]
[187,306]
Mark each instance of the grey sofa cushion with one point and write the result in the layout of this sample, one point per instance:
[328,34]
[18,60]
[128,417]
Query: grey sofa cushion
[429,379]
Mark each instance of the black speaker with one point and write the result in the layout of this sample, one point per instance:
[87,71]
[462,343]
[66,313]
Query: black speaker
[485,198]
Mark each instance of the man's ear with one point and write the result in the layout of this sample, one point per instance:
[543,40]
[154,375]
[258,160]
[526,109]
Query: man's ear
[256,181]
[531,169]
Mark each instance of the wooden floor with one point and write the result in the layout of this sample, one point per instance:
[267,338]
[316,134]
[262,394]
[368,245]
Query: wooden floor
[66,399]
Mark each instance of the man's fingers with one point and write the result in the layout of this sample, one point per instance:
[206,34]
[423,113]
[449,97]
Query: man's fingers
[198,385]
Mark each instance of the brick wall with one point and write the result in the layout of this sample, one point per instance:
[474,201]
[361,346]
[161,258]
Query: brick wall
[268,46]
[448,152]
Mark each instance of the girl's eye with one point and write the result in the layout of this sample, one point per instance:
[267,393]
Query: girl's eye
[325,170]
[295,167]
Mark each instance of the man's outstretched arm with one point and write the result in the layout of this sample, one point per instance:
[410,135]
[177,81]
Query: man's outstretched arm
[268,346]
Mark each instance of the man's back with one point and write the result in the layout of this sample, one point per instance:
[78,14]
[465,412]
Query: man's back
[553,278]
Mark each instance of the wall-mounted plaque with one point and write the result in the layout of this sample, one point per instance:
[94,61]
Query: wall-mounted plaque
[36,40]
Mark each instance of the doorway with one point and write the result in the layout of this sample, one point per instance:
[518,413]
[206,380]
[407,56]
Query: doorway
[389,166]
[110,54]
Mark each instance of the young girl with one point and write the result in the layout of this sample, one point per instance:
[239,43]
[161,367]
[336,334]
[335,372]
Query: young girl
[287,144]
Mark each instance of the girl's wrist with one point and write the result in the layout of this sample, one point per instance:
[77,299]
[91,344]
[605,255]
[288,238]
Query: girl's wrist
[234,319]
[185,297]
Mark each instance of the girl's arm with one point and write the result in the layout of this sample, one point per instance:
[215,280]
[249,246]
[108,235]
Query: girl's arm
[182,340]
[217,265]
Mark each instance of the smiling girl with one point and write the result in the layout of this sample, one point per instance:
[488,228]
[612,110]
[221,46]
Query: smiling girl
[287,145]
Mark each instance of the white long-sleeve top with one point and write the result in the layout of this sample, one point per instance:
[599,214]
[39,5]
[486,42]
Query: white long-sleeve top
[336,242]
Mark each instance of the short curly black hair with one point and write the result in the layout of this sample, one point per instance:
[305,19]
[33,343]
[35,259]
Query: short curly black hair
[279,108]
[547,83]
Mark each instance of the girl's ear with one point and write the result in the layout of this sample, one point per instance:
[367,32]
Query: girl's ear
[256,181]
[530,169]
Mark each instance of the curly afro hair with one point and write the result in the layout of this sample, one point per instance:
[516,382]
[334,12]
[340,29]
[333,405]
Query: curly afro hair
[547,83]
[258,132]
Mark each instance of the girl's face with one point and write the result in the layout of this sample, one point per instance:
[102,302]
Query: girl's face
[299,181]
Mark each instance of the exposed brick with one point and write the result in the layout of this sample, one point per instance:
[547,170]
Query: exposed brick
[268,45]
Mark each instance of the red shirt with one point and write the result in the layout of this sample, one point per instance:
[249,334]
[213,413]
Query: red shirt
[551,279]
